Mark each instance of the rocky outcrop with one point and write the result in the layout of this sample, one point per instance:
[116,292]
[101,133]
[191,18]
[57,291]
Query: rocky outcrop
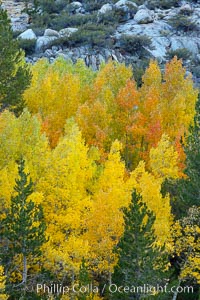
[19,19]
[144,16]
[28,35]
[135,21]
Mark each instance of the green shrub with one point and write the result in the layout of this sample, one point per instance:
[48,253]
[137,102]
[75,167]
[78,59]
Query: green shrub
[136,44]
[139,70]
[27,45]
[16,33]
[181,53]
[65,20]
[109,18]
[94,5]
[196,71]
[182,22]
[165,4]
[41,21]
[39,31]
[52,6]
[92,34]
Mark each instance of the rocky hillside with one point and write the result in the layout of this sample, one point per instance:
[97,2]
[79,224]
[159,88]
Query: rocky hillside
[122,30]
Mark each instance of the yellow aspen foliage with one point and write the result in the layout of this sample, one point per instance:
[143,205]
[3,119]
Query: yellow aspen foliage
[20,137]
[149,187]
[112,75]
[7,182]
[105,223]
[55,93]
[55,97]
[67,202]
[163,159]
[23,137]
[177,106]
[3,296]
[152,76]
[94,121]
[186,234]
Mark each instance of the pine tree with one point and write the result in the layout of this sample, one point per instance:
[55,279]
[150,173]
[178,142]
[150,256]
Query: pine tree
[84,279]
[23,231]
[189,189]
[186,191]
[14,73]
[137,255]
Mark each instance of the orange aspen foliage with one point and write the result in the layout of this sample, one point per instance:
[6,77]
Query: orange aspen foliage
[124,119]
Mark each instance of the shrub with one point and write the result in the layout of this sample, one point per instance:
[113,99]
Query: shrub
[92,5]
[109,18]
[181,53]
[27,45]
[165,4]
[196,71]
[135,44]
[52,6]
[182,22]
[66,20]
[92,34]
[139,70]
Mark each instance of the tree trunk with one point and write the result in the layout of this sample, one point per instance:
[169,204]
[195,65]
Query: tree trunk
[24,278]
[176,293]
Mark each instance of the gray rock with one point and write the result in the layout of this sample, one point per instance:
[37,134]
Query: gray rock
[67,32]
[190,43]
[76,4]
[186,8]
[28,35]
[44,42]
[51,33]
[153,31]
[198,58]
[128,3]
[144,16]
[105,8]
[48,53]
[126,9]
[75,7]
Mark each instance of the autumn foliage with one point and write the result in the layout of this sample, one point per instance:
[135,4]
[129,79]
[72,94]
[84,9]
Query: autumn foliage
[88,139]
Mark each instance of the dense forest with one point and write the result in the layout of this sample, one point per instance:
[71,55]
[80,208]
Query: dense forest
[99,180]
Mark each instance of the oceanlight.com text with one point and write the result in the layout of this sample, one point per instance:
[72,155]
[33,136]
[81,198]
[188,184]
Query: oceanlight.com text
[148,289]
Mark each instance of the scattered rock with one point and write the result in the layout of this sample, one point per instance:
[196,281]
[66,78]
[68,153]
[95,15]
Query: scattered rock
[127,3]
[126,9]
[28,35]
[67,32]
[44,42]
[105,8]
[186,8]
[133,20]
[51,33]
[144,16]
[190,43]
[76,7]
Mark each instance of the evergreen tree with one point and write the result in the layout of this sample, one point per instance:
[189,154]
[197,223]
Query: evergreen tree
[185,192]
[185,195]
[23,233]
[84,279]
[137,255]
[189,189]
[14,73]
